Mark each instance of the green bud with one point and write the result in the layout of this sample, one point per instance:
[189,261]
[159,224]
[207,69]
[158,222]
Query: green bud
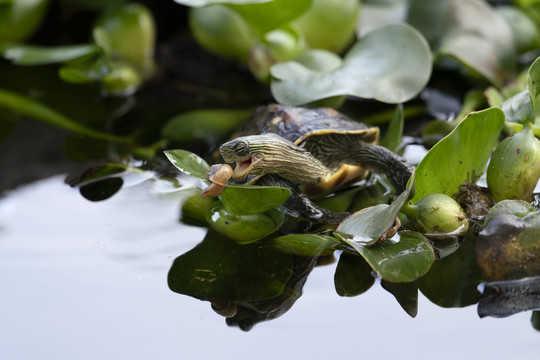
[128,35]
[330,24]
[518,208]
[437,215]
[514,169]
[19,19]
[222,31]
[121,80]
[244,229]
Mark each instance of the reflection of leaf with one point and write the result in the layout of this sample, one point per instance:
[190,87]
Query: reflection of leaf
[461,156]
[40,55]
[403,261]
[367,225]
[505,298]
[453,280]
[406,294]
[203,124]
[402,69]
[188,163]
[353,275]
[223,269]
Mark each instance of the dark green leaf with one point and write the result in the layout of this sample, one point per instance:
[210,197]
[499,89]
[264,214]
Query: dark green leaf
[404,260]
[353,275]
[203,124]
[218,268]
[392,138]
[461,156]
[188,162]
[535,320]
[37,110]
[40,55]
[102,189]
[306,244]
[453,280]
[249,199]
[400,73]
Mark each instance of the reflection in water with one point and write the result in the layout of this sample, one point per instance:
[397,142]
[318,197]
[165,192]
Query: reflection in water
[505,298]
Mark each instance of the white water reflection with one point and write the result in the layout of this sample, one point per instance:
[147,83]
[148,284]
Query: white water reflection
[84,280]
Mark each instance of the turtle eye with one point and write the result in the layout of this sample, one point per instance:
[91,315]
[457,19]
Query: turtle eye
[241,148]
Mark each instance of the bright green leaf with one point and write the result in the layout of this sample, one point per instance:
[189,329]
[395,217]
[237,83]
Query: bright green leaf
[460,157]
[533,79]
[41,55]
[198,3]
[249,199]
[401,71]
[404,260]
[188,162]
[519,108]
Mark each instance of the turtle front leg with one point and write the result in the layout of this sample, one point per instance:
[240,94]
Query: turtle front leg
[299,203]
[380,159]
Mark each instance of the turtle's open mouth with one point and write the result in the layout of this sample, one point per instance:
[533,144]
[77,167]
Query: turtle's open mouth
[243,169]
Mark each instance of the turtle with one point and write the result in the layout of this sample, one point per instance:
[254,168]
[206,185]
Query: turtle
[311,151]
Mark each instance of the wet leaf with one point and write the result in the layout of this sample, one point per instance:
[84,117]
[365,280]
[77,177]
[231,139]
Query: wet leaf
[188,162]
[453,280]
[247,200]
[505,298]
[518,208]
[217,268]
[508,247]
[392,138]
[26,55]
[306,244]
[203,124]
[403,260]
[244,229]
[461,156]
[368,225]
[406,294]
[401,72]
[353,275]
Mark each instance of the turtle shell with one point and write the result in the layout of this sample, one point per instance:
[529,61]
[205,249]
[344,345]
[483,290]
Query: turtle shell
[324,132]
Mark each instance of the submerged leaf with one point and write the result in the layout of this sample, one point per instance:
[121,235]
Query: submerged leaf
[401,71]
[461,156]
[403,261]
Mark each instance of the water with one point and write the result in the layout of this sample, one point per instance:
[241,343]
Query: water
[83,280]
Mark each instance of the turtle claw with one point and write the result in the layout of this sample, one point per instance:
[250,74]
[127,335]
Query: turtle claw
[392,230]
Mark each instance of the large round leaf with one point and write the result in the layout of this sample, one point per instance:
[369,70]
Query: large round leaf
[247,200]
[391,64]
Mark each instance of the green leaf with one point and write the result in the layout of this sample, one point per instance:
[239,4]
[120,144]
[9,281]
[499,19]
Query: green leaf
[188,163]
[198,3]
[519,108]
[42,55]
[37,110]
[533,79]
[249,199]
[406,295]
[353,275]
[404,260]
[218,268]
[461,156]
[401,71]
[306,244]
[526,35]
[368,225]
[392,138]
[453,280]
[203,124]
[266,16]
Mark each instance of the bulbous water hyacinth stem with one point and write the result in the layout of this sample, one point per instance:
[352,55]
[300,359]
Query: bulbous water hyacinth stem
[438,215]
[514,169]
